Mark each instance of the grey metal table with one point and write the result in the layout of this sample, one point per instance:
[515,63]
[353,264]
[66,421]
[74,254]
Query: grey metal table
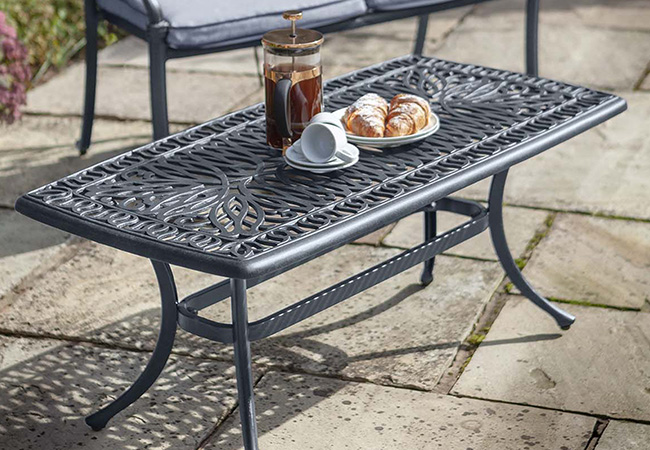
[216,199]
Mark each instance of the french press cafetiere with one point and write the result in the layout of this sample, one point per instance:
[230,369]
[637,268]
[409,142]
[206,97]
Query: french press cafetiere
[293,81]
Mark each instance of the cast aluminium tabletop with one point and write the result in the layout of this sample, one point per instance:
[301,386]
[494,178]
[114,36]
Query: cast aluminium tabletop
[216,198]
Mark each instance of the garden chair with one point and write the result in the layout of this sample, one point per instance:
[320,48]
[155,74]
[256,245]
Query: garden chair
[178,29]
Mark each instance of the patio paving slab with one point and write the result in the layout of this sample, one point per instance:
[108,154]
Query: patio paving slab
[520,224]
[440,25]
[99,286]
[600,366]
[305,412]
[358,48]
[123,93]
[355,51]
[133,52]
[645,85]
[614,14]
[48,387]
[624,435]
[631,15]
[395,333]
[493,35]
[26,246]
[604,170]
[41,149]
[595,260]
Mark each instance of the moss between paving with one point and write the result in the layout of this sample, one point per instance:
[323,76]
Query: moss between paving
[594,260]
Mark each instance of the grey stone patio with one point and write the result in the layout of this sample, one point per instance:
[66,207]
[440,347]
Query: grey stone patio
[465,363]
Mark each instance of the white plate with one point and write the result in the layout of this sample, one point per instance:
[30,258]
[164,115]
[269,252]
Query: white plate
[432,127]
[321,170]
[296,159]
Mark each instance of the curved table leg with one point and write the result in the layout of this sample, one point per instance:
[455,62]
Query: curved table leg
[495,218]
[159,357]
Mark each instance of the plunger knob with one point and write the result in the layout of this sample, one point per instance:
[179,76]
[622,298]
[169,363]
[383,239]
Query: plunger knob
[292,15]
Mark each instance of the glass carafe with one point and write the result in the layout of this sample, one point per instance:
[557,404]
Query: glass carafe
[293,81]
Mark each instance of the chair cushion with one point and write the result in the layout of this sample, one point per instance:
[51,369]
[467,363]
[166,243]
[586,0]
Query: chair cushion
[216,23]
[392,5]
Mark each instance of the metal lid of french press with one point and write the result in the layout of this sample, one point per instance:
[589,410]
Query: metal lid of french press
[288,39]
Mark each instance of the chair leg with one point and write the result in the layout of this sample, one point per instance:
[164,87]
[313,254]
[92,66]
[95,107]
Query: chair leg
[532,27]
[421,36]
[495,220]
[258,66]
[92,21]
[159,357]
[243,364]
[158,80]
[430,230]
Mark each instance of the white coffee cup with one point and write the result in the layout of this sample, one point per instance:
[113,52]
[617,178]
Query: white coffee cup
[327,117]
[320,142]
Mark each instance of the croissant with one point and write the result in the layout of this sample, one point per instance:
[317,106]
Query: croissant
[367,116]
[408,114]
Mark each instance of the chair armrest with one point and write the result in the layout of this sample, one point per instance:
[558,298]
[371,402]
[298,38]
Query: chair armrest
[153,11]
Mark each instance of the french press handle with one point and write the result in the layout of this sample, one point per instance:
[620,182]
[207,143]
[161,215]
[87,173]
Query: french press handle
[281,112]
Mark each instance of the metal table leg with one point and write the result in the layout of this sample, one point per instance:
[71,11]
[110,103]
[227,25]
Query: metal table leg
[243,363]
[430,230]
[495,219]
[159,357]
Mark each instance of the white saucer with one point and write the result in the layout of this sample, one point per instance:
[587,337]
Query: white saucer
[384,142]
[296,159]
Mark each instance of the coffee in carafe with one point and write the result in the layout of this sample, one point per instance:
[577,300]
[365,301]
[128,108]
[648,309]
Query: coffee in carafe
[304,102]
[293,81]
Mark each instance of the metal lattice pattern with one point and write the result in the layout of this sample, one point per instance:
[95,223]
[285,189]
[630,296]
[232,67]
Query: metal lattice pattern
[219,189]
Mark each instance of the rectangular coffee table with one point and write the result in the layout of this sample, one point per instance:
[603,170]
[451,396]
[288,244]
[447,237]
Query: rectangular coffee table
[215,198]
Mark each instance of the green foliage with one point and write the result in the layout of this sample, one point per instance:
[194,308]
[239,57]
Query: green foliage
[14,72]
[52,30]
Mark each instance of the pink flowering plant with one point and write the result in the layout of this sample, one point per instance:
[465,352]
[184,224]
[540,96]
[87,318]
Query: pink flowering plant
[15,73]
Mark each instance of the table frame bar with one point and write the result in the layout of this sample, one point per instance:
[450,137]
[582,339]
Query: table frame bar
[188,309]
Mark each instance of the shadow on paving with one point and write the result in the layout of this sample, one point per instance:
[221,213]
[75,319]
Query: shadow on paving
[286,349]
[22,161]
[25,168]
[46,397]
[20,235]
[35,151]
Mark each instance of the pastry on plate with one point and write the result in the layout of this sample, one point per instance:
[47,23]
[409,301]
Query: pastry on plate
[408,114]
[367,116]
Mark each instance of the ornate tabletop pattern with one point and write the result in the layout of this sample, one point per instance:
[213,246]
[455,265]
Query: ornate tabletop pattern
[219,189]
